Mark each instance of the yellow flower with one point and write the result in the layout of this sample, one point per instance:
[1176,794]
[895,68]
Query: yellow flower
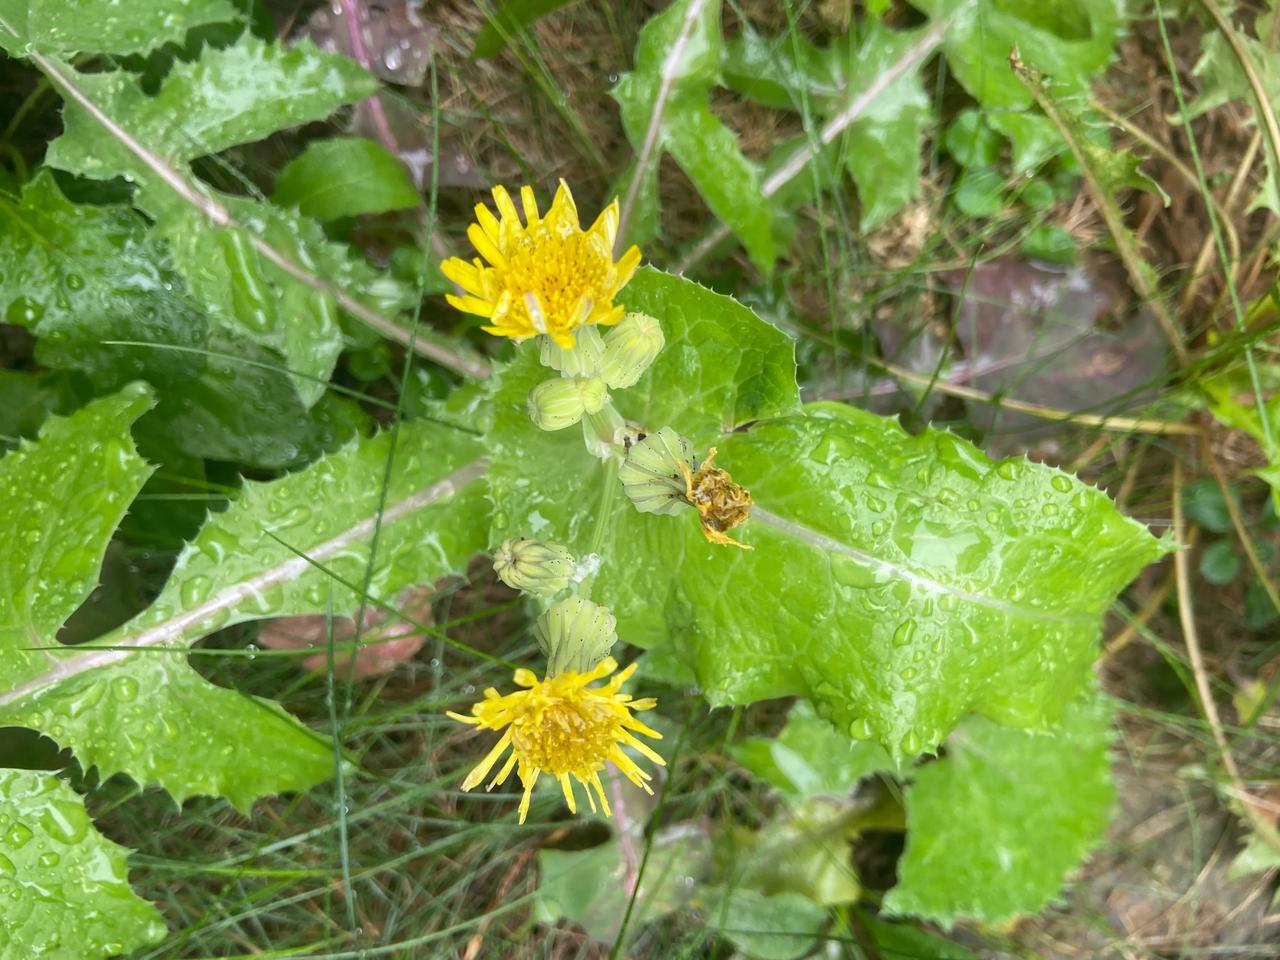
[547,275]
[565,728]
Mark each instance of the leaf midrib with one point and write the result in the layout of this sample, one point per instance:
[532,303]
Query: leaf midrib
[185,626]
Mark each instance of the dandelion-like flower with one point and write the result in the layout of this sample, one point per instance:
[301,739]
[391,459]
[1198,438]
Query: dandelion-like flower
[547,275]
[566,728]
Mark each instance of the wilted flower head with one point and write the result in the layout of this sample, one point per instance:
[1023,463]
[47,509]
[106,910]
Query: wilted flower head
[546,275]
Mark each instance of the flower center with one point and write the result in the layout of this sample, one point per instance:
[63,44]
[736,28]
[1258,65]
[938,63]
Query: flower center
[565,736]
[558,271]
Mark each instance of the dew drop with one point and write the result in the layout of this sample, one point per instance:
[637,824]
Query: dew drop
[832,448]
[912,743]
[1061,483]
[860,729]
[902,636]
[1007,470]
[125,688]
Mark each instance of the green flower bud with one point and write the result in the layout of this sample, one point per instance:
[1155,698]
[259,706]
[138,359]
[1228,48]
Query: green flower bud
[603,430]
[533,567]
[629,349]
[583,360]
[560,403]
[654,474]
[575,634]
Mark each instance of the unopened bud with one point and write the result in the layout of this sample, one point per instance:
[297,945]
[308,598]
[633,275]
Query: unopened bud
[602,431]
[629,349]
[580,360]
[655,474]
[534,567]
[561,402]
[575,634]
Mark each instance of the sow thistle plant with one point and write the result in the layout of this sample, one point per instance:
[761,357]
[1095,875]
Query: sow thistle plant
[561,725]
[640,465]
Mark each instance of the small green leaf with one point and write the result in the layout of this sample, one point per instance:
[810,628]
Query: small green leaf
[589,887]
[64,887]
[1051,244]
[677,59]
[61,29]
[980,192]
[1204,506]
[26,399]
[810,758]
[232,95]
[995,826]
[901,941]
[970,141]
[1220,564]
[345,177]
[510,19]
[1034,137]
[1069,40]
[1258,856]
[783,927]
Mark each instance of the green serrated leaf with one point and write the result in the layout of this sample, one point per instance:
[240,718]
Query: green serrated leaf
[126,702]
[882,147]
[810,758]
[26,399]
[59,28]
[77,275]
[1035,139]
[243,409]
[1069,40]
[898,582]
[995,826]
[508,21]
[677,59]
[248,295]
[782,927]
[229,96]
[64,887]
[779,71]
[345,177]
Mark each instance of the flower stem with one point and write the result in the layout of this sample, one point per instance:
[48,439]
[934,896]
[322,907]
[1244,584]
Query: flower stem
[626,842]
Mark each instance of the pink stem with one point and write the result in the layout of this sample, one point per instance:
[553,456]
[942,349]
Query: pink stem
[626,842]
[351,14]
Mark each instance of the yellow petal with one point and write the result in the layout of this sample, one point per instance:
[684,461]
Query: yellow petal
[528,791]
[463,274]
[604,801]
[488,223]
[506,208]
[476,775]
[530,204]
[474,305]
[568,792]
[484,246]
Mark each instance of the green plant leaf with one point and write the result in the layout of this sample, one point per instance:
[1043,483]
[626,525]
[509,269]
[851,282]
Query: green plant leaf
[809,757]
[229,96]
[1233,403]
[248,295]
[510,19]
[898,582]
[668,94]
[27,398]
[345,177]
[779,71]
[1069,40]
[76,275]
[882,147]
[1219,563]
[243,409]
[806,850]
[128,702]
[901,941]
[589,887]
[64,887]
[782,927]
[995,826]
[59,28]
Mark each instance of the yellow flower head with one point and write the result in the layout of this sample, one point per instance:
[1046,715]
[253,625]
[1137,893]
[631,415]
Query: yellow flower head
[547,275]
[565,728]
